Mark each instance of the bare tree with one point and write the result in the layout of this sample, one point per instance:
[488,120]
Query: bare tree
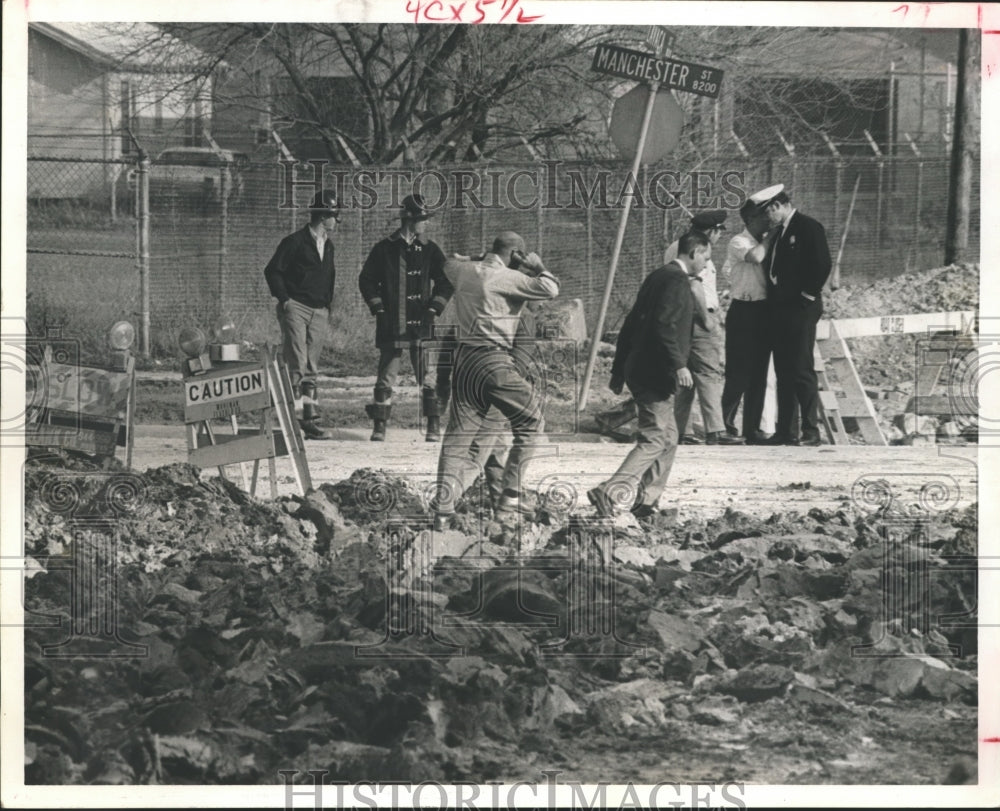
[424,92]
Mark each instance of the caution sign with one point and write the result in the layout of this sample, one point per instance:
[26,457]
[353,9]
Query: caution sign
[225,392]
[259,392]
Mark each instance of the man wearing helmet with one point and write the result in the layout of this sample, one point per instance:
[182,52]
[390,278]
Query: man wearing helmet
[404,286]
[300,276]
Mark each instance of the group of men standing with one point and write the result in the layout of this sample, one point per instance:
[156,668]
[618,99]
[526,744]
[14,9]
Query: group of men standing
[670,346]
[670,343]
[403,284]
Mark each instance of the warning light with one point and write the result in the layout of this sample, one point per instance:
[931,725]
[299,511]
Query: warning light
[192,342]
[225,345]
[121,336]
[224,331]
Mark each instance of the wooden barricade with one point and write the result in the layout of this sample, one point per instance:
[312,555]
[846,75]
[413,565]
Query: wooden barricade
[848,399]
[90,409]
[258,391]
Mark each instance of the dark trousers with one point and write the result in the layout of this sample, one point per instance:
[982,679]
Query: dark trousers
[748,351]
[794,336]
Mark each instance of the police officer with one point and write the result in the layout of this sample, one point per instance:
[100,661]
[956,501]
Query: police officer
[404,286]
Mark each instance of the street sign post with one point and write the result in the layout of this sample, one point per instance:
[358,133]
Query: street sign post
[657,70]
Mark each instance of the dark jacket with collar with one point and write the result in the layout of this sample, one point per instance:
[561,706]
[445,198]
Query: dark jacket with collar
[407,283]
[655,340]
[297,272]
[801,261]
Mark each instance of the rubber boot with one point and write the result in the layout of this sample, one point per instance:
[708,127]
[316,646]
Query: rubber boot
[379,413]
[432,410]
[310,413]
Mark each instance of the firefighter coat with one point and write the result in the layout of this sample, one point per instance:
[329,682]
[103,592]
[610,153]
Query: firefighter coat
[405,287]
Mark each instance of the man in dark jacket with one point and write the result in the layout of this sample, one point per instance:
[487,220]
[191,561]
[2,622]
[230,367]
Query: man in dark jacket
[798,265]
[652,357]
[404,286]
[300,276]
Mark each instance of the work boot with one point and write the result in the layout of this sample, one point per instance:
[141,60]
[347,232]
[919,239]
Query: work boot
[602,502]
[432,410]
[433,429]
[312,430]
[310,413]
[379,413]
[517,503]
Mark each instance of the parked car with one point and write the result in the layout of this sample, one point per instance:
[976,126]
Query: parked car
[210,173]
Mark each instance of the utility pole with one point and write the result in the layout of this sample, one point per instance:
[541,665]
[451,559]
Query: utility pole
[964,147]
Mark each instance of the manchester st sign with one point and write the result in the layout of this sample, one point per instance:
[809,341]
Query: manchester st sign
[644,67]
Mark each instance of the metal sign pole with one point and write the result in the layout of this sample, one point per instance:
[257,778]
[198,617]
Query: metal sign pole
[616,252]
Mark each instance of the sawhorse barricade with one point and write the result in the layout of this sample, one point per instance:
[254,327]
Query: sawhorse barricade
[260,390]
[90,409]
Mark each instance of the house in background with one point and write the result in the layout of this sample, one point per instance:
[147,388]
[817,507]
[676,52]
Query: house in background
[91,84]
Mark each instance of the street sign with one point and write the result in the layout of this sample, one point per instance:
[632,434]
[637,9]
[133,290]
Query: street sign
[660,39]
[671,73]
[665,124]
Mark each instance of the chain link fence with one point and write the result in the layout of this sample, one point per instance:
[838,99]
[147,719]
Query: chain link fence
[213,229]
[82,267]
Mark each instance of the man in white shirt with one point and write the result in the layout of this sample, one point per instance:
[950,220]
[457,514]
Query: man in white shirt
[747,345]
[707,341]
[488,299]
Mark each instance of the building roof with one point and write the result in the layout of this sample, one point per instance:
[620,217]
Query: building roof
[141,47]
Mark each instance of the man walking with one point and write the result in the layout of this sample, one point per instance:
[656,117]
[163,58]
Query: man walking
[707,339]
[489,295]
[652,358]
[404,286]
[300,276]
[748,349]
[798,265]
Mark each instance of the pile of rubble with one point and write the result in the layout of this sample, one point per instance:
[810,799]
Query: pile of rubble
[337,632]
[887,365]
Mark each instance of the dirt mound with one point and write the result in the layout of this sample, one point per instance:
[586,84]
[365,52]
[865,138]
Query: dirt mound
[336,632]
[943,289]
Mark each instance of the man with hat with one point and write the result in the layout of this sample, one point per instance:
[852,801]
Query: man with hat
[797,265]
[707,340]
[300,276]
[404,286]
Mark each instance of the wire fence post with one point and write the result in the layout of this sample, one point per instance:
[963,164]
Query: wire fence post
[590,253]
[225,186]
[142,201]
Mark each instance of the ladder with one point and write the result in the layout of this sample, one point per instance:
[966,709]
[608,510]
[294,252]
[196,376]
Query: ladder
[850,402]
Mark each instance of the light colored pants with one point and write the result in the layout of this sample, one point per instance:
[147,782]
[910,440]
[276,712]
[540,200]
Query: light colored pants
[304,331]
[487,383]
[705,365]
[642,477]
